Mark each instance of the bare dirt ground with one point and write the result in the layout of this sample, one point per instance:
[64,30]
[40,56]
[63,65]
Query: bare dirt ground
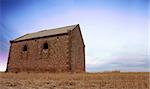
[75,81]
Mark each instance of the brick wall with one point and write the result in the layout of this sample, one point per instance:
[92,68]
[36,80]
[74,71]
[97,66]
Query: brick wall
[53,59]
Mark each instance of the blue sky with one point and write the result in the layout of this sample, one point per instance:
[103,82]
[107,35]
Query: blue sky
[115,32]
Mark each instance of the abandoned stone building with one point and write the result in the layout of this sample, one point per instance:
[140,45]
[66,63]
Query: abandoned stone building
[53,50]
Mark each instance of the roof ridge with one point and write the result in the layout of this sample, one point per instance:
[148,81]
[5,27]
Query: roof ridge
[60,27]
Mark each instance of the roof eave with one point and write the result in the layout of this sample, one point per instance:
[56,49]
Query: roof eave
[12,41]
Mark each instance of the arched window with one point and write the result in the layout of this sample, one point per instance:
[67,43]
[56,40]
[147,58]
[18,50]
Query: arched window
[25,48]
[45,46]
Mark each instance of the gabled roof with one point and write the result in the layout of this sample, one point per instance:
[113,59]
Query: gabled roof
[48,32]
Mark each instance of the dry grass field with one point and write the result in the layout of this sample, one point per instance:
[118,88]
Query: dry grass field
[75,81]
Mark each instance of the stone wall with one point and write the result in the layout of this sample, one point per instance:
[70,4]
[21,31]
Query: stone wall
[37,59]
[65,53]
[77,51]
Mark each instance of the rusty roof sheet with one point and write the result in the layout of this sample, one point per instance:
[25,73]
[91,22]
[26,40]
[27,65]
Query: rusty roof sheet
[47,32]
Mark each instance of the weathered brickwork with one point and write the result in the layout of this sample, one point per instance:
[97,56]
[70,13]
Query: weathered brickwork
[65,53]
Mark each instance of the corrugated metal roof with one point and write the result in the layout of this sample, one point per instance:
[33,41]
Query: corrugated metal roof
[48,32]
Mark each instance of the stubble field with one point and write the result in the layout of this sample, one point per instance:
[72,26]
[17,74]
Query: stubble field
[75,81]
